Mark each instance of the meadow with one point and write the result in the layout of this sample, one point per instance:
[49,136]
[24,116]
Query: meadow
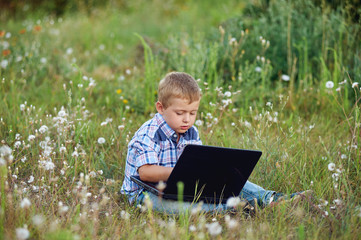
[283,78]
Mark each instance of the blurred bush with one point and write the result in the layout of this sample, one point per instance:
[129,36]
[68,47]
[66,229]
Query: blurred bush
[17,8]
[305,40]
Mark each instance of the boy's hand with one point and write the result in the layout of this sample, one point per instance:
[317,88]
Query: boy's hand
[154,173]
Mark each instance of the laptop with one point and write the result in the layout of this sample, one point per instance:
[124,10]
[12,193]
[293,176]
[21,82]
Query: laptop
[208,173]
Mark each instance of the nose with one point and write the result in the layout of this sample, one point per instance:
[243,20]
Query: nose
[186,118]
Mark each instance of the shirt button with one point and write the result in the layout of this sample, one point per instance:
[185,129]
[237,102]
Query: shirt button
[175,135]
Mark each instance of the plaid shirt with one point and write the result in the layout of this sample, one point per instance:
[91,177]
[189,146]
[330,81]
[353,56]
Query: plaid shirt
[154,143]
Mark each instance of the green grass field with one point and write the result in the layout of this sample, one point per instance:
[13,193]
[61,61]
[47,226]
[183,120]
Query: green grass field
[284,79]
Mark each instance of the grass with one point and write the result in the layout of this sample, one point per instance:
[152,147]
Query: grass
[86,77]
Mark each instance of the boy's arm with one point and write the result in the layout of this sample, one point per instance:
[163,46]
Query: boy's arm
[154,173]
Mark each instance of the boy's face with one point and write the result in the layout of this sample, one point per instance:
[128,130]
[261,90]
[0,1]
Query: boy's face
[180,115]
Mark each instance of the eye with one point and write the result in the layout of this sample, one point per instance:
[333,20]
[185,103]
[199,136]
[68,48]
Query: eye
[178,113]
[193,113]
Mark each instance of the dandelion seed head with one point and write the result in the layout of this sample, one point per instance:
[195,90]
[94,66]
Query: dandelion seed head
[285,77]
[355,84]
[233,202]
[331,167]
[101,140]
[329,84]
[214,228]
[43,129]
[4,63]
[22,233]
[25,203]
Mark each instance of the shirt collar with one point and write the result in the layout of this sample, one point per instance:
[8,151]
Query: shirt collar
[168,131]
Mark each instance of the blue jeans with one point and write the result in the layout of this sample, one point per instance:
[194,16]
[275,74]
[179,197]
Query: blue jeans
[249,192]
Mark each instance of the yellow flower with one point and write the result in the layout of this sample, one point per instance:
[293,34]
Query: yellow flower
[119,91]
[125,101]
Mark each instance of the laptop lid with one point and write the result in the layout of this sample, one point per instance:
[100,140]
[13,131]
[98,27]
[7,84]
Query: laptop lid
[208,173]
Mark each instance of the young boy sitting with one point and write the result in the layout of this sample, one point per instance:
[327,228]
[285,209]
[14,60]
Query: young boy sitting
[157,145]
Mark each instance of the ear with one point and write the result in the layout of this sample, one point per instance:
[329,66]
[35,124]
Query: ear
[159,107]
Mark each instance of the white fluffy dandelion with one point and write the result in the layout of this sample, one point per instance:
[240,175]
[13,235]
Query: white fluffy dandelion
[25,203]
[285,77]
[329,84]
[22,233]
[331,167]
[214,228]
[43,129]
[258,69]
[31,138]
[101,140]
[233,202]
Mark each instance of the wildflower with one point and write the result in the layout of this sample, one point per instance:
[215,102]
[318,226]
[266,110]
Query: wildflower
[161,186]
[4,63]
[337,201]
[247,124]
[343,156]
[47,165]
[6,52]
[5,152]
[92,174]
[2,33]
[119,91]
[37,28]
[22,107]
[231,223]
[22,233]
[38,220]
[43,60]
[31,138]
[285,77]
[233,41]
[338,89]
[124,215]
[331,167]
[43,129]
[69,51]
[75,154]
[128,72]
[335,176]
[192,228]
[120,127]
[258,69]
[62,149]
[228,94]
[31,179]
[269,104]
[25,203]
[62,113]
[22,31]
[103,124]
[17,144]
[125,101]
[329,84]
[101,47]
[233,202]
[101,140]
[214,228]
[355,84]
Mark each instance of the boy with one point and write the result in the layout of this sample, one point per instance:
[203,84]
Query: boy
[157,145]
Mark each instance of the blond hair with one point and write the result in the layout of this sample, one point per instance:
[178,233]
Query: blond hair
[179,85]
